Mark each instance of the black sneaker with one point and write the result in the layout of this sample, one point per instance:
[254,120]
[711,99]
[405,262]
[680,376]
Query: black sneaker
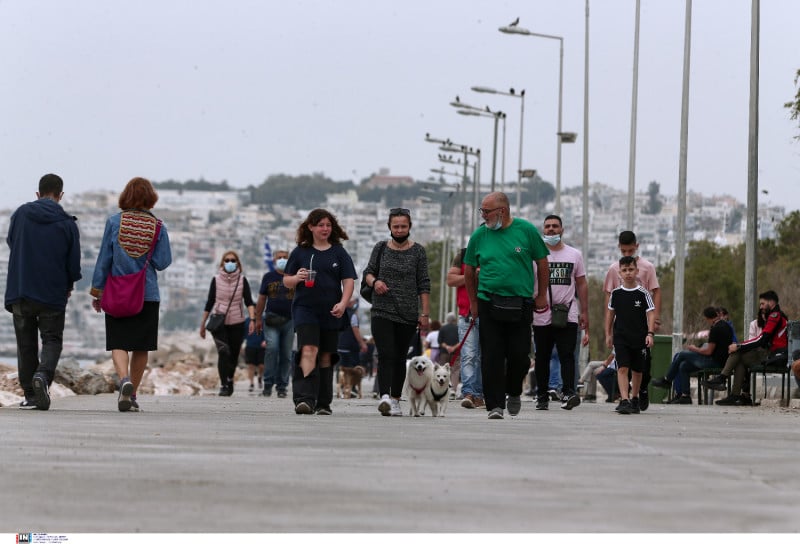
[624,407]
[513,405]
[680,399]
[543,403]
[635,406]
[324,411]
[644,400]
[554,394]
[730,400]
[125,392]
[28,404]
[267,393]
[744,400]
[41,392]
[302,408]
[134,406]
[717,383]
[663,383]
[281,394]
[570,401]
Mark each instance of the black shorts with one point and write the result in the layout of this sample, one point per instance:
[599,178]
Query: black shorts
[633,358]
[254,356]
[311,335]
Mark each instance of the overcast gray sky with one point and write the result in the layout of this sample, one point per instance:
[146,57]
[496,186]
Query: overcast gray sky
[235,90]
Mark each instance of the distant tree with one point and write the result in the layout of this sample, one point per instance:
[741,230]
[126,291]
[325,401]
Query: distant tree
[538,192]
[735,220]
[192,185]
[654,203]
[302,192]
[794,105]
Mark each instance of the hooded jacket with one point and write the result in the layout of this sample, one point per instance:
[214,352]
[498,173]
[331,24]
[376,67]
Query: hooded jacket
[45,259]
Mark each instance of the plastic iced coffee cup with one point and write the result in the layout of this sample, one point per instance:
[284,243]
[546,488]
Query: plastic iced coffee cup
[312,275]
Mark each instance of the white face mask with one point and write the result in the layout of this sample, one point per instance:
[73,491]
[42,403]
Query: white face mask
[280,264]
[497,225]
[230,267]
[552,240]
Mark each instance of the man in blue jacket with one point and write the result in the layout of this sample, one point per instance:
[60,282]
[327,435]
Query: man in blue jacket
[44,264]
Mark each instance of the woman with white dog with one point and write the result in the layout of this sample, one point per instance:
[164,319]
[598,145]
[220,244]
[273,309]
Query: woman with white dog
[400,304]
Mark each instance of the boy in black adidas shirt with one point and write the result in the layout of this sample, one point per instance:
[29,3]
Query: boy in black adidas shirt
[630,321]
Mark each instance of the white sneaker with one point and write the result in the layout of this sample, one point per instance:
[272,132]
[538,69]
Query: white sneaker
[385,405]
[395,408]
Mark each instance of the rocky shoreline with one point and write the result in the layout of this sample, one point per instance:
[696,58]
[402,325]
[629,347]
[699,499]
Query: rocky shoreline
[184,364]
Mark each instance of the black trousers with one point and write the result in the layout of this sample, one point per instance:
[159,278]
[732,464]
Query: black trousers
[392,340]
[228,342]
[505,354]
[564,340]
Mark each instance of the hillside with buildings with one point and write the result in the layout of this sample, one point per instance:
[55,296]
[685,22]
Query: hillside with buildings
[204,224]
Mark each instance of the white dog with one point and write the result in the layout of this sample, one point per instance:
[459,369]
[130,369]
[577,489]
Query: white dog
[438,391]
[419,373]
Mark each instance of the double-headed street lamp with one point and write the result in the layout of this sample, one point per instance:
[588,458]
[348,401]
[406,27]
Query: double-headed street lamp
[563,137]
[466,109]
[449,146]
[521,96]
[476,181]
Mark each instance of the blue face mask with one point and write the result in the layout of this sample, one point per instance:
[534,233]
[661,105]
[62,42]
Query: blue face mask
[230,267]
[552,240]
[280,264]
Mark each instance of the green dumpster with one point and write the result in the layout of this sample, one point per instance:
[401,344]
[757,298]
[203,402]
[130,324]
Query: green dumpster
[661,353]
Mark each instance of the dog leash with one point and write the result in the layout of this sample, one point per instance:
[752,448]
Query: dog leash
[457,351]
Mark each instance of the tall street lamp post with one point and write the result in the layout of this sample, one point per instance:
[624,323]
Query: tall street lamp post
[496,116]
[514,29]
[521,96]
[451,147]
[476,179]
[466,109]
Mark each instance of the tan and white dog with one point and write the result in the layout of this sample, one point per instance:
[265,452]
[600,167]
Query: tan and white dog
[349,381]
[419,373]
[438,392]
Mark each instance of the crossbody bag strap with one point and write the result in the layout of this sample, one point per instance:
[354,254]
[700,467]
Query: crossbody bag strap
[153,243]
[233,293]
[378,261]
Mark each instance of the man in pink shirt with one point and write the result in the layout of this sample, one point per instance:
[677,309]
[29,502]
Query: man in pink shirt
[567,287]
[646,277]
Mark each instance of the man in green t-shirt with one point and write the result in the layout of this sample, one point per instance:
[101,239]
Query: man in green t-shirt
[504,248]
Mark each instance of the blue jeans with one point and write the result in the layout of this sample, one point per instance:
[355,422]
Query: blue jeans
[471,382]
[278,356]
[684,363]
[30,320]
[608,379]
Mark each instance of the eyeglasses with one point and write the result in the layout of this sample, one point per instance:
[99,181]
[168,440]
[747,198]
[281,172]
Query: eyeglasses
[486,211]
[230,260]
[400,211]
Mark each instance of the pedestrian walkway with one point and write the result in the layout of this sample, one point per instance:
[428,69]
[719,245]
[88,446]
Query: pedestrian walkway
[249,464]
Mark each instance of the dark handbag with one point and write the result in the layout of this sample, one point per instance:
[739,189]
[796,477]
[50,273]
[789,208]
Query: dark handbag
[506,308]
[216,322]
[559,313]
[275,320]
[367,291]
[123,296]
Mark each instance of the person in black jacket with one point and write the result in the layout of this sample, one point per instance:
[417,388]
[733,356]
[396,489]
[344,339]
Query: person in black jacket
[44,264]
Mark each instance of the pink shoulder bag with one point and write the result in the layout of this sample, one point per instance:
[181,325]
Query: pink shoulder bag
[123,296]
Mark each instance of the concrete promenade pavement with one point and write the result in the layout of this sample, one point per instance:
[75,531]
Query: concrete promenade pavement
[249,464]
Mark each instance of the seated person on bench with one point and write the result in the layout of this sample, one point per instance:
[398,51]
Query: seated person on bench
[712,354]
[772,342]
